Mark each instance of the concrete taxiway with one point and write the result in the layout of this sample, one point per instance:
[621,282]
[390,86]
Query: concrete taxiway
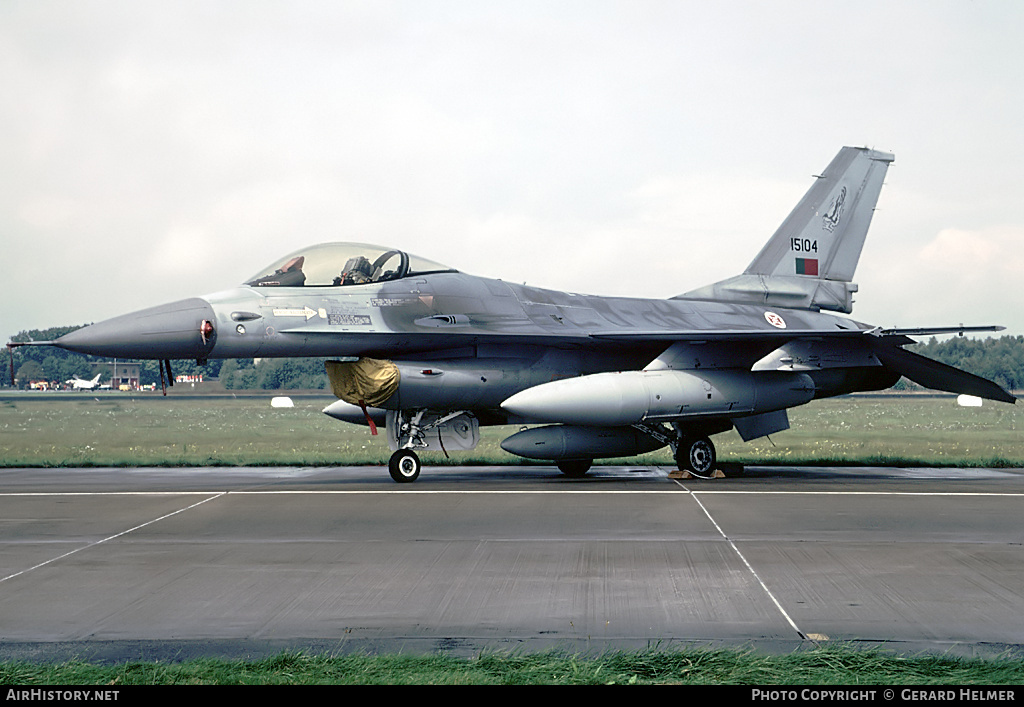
[160,563]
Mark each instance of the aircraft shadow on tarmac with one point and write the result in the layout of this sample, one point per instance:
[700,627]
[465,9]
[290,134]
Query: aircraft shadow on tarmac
[750,477]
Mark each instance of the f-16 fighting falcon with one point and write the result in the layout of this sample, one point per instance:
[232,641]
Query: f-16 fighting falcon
[431,353]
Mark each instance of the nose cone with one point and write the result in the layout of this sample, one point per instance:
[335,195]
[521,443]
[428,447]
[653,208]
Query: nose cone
[174,330]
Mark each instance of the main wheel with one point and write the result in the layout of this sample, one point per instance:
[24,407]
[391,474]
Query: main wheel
[404,466]
[575,468]
[696,456]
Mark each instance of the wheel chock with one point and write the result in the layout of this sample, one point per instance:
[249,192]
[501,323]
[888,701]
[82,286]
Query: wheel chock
[723,471]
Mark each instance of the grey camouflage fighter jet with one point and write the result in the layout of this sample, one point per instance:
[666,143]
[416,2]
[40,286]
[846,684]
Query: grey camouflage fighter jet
[431,353]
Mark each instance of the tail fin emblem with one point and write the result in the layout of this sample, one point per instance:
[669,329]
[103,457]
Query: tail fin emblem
[835,211]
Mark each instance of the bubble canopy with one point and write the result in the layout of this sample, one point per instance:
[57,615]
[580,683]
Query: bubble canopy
[343,265]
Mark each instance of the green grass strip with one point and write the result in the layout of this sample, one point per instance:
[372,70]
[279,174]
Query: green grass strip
[74,430]
[823,666]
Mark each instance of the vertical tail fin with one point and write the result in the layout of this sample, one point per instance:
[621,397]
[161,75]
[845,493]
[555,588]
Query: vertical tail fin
[810,260]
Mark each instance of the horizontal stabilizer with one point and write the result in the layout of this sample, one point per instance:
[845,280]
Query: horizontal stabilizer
[938,376]
[933,331]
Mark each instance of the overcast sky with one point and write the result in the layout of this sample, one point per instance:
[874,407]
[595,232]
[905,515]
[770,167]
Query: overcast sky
[153,150]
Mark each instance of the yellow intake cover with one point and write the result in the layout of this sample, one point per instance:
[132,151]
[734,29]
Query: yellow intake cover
[368,380]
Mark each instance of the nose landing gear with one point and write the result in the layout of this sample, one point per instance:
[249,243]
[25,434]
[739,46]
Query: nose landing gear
[426,430]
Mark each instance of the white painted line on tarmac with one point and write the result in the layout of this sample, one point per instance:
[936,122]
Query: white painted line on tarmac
[753,572]
[506,492]
[858,493]
[112,537]
[110,493]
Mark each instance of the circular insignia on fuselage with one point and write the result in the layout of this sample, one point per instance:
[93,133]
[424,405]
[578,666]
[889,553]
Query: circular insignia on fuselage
[775,320]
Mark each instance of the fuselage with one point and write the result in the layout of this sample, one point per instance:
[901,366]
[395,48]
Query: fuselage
[461,341]
[429,313]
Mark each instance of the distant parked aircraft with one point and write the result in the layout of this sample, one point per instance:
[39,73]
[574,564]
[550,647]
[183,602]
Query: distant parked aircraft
[77,383]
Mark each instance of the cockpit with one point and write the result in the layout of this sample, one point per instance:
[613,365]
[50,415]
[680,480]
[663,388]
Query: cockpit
[343,264]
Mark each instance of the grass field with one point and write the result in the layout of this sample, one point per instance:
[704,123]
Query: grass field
[826,666]
[117,429]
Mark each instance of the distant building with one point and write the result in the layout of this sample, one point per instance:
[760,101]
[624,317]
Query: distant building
[123,373]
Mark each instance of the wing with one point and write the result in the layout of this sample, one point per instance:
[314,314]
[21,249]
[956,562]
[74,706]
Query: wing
[739,348]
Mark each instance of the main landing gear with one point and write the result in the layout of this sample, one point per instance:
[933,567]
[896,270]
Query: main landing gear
[693,454]
[693,451]
[697,456]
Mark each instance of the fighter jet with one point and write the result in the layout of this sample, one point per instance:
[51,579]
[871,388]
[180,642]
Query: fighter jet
[431,353]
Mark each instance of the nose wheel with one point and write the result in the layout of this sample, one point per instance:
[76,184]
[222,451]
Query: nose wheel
[404,466]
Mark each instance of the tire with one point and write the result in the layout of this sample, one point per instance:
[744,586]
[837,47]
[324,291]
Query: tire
[404,466]
[697,456]
[575,468]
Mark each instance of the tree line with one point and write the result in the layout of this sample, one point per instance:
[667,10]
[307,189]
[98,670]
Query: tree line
[1000,360]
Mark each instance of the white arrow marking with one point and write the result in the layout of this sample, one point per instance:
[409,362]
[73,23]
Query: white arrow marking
[304,312]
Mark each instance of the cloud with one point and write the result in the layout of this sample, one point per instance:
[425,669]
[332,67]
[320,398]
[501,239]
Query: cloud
[976,256]
[957,276]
